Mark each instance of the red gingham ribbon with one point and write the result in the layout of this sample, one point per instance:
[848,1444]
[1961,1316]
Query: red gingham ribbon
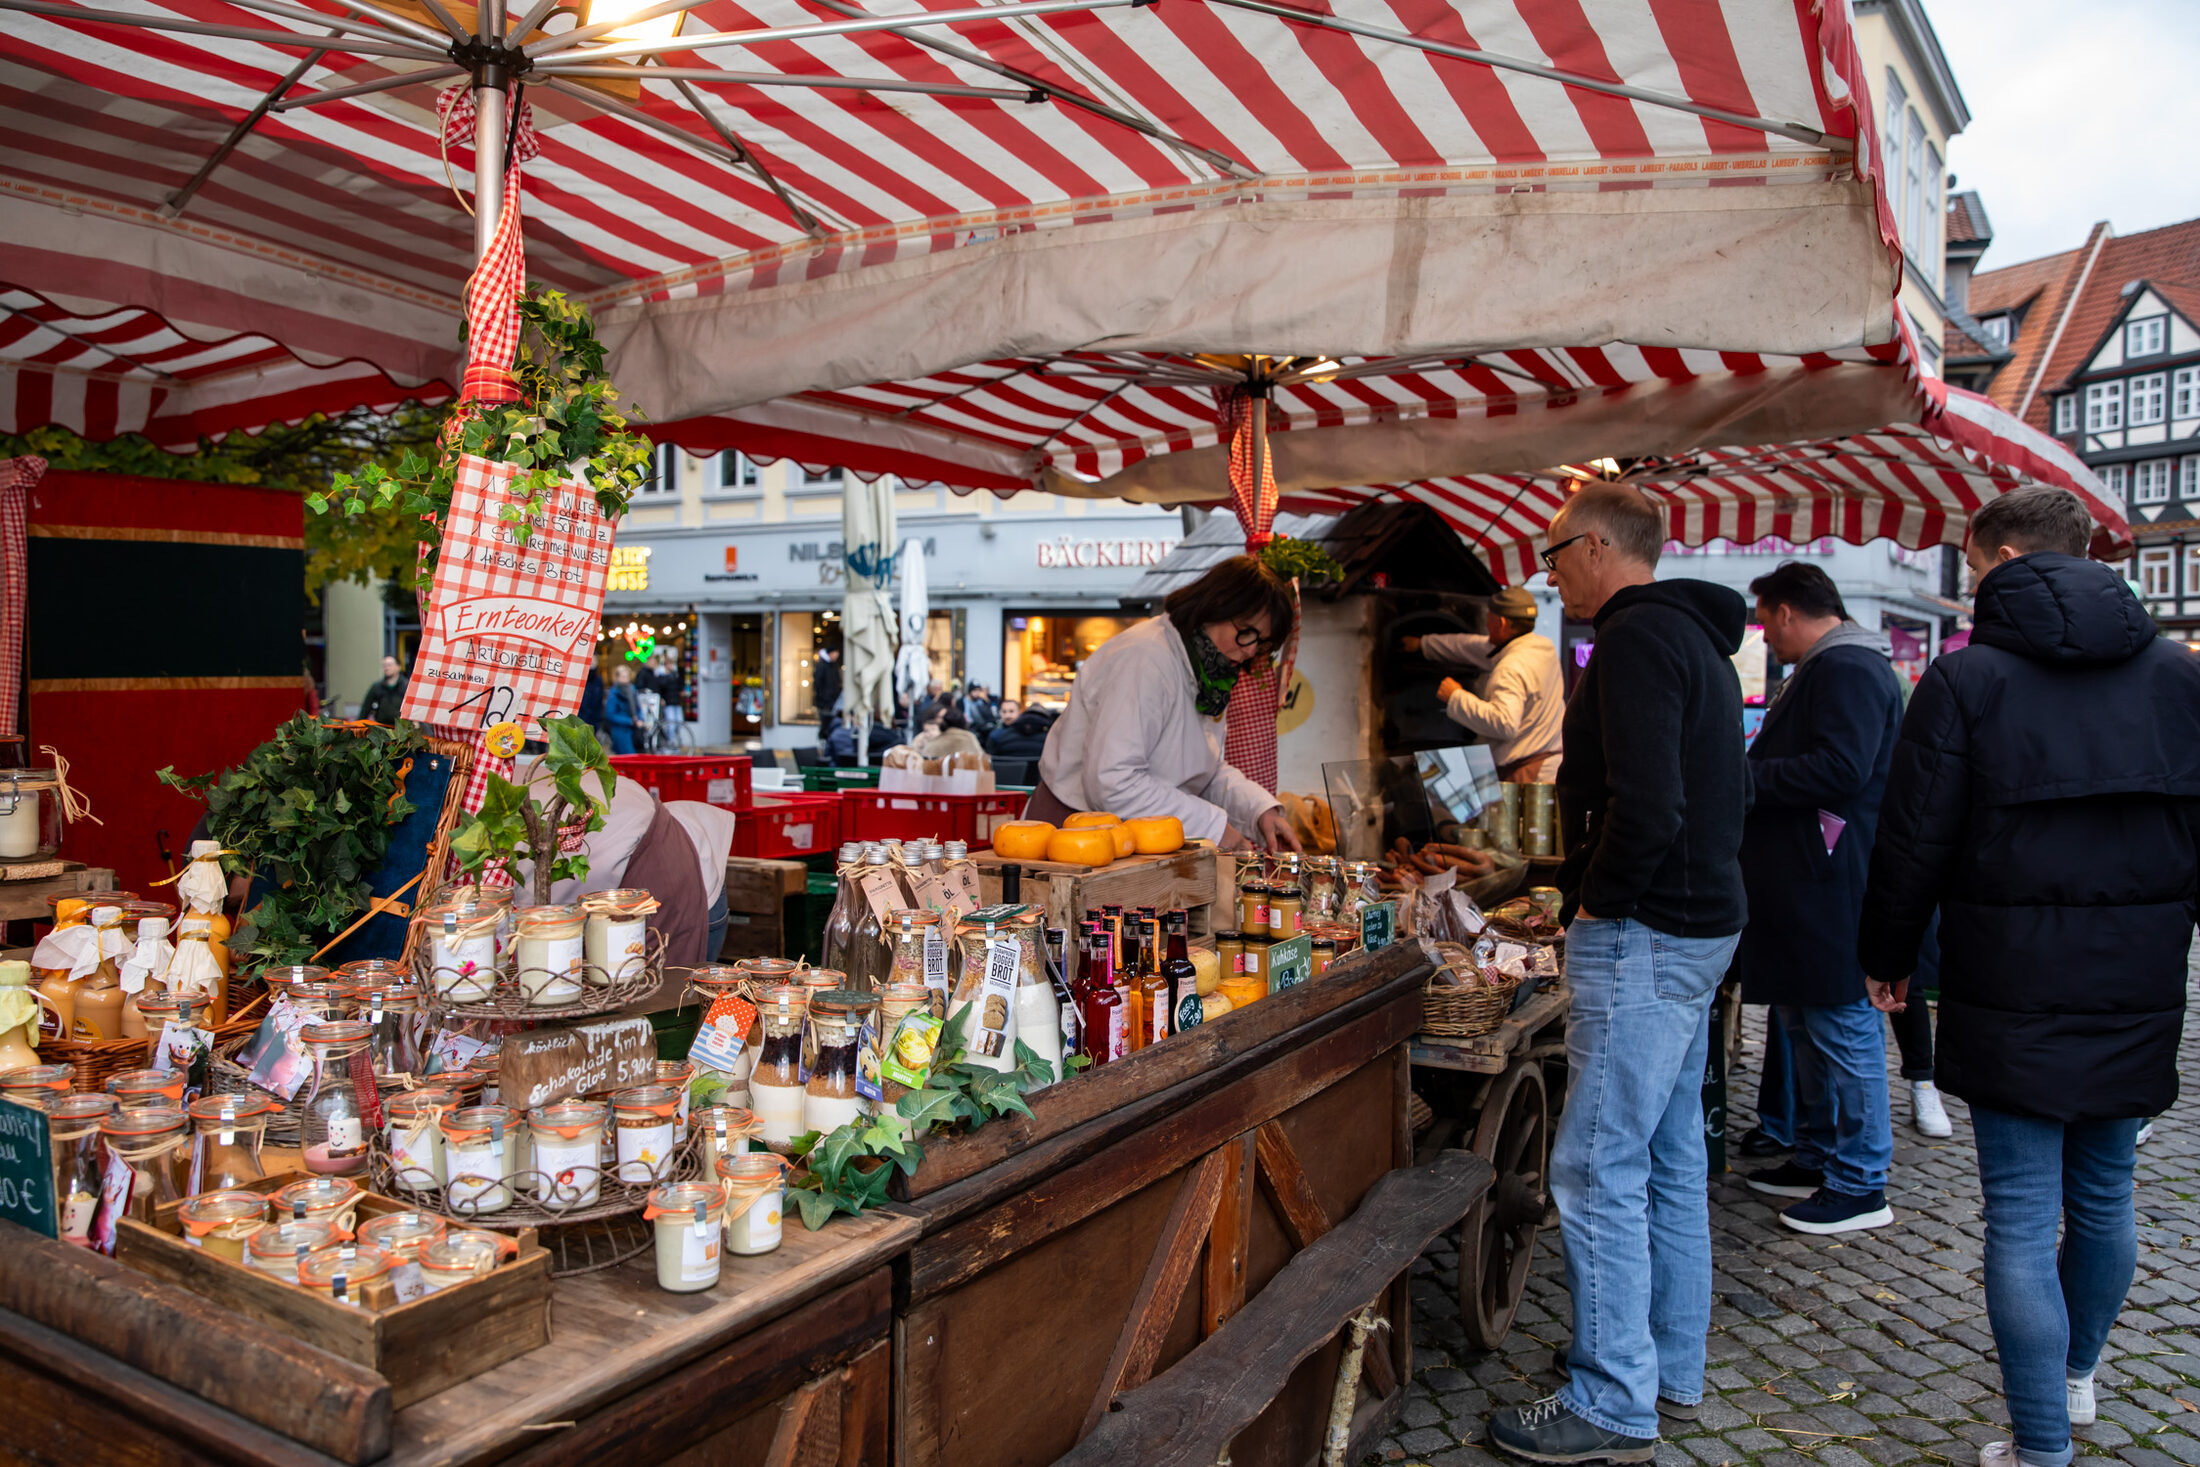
[1255,503]
[18,476]
[492,292]
[1249,741]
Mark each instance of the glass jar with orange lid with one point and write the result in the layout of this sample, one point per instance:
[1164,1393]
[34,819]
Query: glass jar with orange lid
[920,952]
[230,1130]
[568,1141]
[644,1120]
[775,1084]
[188,1013]
[73,1127]
[487,1153]
[343,1271]
[461,1255]
[413,1127]
[278,1248]
[615,938]
[335,1122]
[403,1235]
[333,1200]
[30,1084]
[393,1008]
[547,946]
[154,1143]
[280,980]
[222,1222]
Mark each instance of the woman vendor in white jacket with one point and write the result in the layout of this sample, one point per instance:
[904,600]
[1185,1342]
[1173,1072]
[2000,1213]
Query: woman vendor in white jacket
[1143,731]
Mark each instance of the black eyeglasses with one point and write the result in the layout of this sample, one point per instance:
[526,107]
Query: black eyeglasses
[1253,637]
[1550,555]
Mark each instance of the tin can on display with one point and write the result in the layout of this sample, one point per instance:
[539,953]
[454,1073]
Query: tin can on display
[1538,819]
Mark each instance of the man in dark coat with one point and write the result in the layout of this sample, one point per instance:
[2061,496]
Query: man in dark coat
[2046,797]
[1819,766]
[387,696]
[825,690]
[1652,789]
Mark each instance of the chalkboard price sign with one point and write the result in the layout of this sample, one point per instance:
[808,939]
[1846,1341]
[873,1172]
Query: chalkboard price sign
[1290,963]
[1378,925]
[26,1168]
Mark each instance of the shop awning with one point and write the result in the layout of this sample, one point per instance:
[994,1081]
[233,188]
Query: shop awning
[810,195]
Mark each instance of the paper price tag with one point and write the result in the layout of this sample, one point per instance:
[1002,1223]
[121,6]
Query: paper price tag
[993,1032]
[961,880]
[881,891]
[935,959]
[405,1279]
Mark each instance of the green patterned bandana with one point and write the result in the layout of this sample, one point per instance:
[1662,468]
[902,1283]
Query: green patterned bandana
[1213,674]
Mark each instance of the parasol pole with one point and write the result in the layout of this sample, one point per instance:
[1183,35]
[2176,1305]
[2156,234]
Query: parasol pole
[491,85]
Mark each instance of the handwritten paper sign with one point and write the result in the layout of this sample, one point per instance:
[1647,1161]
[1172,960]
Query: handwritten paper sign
[511,627]
[26,1168]
[546,1065]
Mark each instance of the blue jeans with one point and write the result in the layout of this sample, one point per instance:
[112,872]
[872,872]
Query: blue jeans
[2052,1310]
[1839,1052]
[1628,1168]
[1776,1084]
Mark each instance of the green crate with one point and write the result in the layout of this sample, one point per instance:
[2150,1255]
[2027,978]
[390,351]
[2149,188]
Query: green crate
[825,780]
[676,1030]
[817,906]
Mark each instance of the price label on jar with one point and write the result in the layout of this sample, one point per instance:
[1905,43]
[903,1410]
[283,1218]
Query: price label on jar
[1290,963]
[935,959]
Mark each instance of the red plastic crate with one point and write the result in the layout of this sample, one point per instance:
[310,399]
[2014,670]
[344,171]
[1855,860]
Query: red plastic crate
[779,827]
[715,779]
[887,815]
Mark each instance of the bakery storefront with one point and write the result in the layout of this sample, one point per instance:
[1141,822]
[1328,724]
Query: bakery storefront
[1016,603]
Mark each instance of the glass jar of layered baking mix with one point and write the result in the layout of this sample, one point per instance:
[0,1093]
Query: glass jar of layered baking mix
[836,1020]
[775,1085]
[230,1131]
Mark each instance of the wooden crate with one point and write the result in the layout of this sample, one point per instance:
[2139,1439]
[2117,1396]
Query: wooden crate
[1195,878]
[763,900]
[421,1348]
[29,897]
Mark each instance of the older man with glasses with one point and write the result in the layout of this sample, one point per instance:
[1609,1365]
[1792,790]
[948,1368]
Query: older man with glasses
[1652,792]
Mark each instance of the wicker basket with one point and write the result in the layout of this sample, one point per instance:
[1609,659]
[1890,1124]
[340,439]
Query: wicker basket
[98,1061]
[1465,1013]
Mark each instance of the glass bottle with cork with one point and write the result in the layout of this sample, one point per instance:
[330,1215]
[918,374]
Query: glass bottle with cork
[840,923]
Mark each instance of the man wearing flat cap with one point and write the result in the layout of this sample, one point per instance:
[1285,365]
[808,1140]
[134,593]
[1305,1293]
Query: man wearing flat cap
[1524,706]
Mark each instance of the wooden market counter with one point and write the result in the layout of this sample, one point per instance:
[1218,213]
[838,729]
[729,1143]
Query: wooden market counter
[1029,1274]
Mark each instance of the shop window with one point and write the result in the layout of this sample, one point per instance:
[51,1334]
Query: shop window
[2146,337]
[2154,571]
[2104,407]
[2146,399]
[2150,482]
[1042,651]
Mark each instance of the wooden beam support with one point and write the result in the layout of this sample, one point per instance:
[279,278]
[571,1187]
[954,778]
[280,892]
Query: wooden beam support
[1222,1289]
[1167,1274]
[1283,1181]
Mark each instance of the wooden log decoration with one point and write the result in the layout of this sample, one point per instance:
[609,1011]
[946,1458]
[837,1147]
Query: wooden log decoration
[552,1064]
[1186,1416]
[268,1378]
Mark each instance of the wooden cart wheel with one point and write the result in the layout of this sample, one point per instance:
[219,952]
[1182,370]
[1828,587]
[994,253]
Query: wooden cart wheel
[1497,1238]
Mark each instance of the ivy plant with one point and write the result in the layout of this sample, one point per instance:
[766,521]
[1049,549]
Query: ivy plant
[849,1169]
[513,825]
[310,812]
[1301,560]
[567,418]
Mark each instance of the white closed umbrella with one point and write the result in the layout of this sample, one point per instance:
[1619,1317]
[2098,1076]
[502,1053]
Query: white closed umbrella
[913,664]
[867,619]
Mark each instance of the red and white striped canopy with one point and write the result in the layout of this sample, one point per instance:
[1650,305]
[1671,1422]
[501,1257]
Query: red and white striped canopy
[803,195]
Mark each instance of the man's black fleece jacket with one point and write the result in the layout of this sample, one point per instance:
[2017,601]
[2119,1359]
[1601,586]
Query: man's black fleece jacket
[1654,785]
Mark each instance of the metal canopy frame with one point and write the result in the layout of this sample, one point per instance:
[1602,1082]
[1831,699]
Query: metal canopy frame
[496,57]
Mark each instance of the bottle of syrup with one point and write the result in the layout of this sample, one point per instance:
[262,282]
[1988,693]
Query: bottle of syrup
[1106,1026]
[1185,1010]
[1152,987]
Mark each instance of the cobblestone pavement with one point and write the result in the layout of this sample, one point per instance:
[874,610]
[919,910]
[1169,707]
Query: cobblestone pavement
[1865,1350]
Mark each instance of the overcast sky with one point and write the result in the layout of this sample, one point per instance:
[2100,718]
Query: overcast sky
[2079,111]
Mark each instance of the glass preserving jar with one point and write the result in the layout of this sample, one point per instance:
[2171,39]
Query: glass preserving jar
[568,1141]
[134,1088]
[836,1021]
[615,942]
[814,981]
[1000,954]
[413,1127]
[402,1235]
[680,1075]
[333,1200]
[230,1131]
[281,980]
[155,1144]
[645,1122]
[722,1130]
[756,1189]
[342,1271]
[487,1154]
[335,1123]
[278,1248]
[26,1086]
[919,952]
[460,1256]
[395,1011]
[896,1002]
[775,1085]
[73,1125]
[222,1222]
[548,943]
[462,948]
[1324,888]
[690,1220]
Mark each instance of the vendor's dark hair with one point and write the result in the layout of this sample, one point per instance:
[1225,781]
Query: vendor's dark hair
[1804,587]
[952,718]
[1236,590]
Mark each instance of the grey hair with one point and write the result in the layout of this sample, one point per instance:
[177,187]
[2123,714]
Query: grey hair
[1624,517]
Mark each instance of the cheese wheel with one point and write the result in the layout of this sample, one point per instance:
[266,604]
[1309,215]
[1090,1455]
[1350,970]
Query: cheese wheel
[1089,820]
[1213,1006]
[1022,840]
[1121,834]
[1080,847]
[1207,963]
[1156,835]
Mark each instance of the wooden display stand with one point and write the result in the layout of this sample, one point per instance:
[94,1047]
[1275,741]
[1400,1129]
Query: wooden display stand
[761,895]
[32,900]
[1070,1255]
[1195,878]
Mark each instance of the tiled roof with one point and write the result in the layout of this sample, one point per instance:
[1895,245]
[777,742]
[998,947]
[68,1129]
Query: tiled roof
[1959,344]
[1967,220]
[2041,288]
[2168,258]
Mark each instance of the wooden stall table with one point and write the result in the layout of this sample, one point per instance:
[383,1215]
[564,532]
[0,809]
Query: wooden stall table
[786,1360]
[28,888]
[1070,1256]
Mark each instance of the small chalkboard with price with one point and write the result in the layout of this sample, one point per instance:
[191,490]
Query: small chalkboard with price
[1378,925]
[26,1168]
[1290,963]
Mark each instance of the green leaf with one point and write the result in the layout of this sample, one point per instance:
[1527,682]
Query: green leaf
[817,1209]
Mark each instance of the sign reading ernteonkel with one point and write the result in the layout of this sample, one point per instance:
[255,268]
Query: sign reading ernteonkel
[511,627]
